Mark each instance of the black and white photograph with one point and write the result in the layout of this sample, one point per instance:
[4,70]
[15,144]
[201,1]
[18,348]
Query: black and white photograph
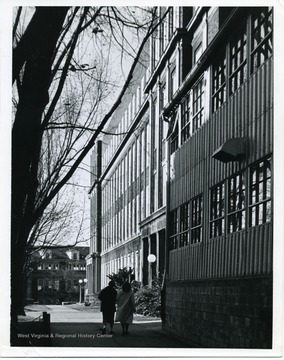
[143,168]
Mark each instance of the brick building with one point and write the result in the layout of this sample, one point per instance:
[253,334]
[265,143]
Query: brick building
[55,275]
[188,176]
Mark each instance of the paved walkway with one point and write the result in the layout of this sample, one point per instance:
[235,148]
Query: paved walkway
[81,327]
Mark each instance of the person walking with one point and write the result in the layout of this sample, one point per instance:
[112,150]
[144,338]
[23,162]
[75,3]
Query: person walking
[108,299]
[125,307]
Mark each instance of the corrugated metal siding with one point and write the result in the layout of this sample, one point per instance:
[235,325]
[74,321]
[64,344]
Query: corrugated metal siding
[249,114]
[239,254]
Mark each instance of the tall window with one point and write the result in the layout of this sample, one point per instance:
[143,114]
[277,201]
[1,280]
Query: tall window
[197,53]
[155,49]
[174,138]
[217,215]
[260,193]
[261,37]
[171,21]
[196,220]
[236,203]
[173,229]
[238,61]
[185,118]
[173,80]
[219,83]
[163,95]
[40,284]
[197,105]
[184,225]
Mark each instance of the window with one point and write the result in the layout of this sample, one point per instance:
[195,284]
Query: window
[173,229]
[163,35]
[219,83]
[171,23]
[236,203]
[40,284]
[196,220]
[173,80]
[261,37]
[163,95]
[197,106]
[238,61]
[174,134]
[260,193]
[68,285]
[184,225]
[185,119]
[217,215]
[56,284]
[197,53]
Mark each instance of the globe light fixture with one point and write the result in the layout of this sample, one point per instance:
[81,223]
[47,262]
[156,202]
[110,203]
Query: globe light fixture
[151,259]
[82,282]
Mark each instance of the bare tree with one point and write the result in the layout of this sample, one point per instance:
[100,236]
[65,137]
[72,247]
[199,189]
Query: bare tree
[59,108]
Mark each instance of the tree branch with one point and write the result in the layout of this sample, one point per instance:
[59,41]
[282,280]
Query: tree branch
[90,144]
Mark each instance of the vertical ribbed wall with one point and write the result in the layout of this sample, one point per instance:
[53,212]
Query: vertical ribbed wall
[247,114]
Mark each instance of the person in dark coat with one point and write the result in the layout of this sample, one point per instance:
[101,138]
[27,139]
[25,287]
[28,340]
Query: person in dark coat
[108,298]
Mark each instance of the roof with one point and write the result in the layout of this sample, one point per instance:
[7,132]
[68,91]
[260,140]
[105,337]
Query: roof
[61,252]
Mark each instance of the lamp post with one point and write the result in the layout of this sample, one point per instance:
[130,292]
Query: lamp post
[81,283]
[151,259]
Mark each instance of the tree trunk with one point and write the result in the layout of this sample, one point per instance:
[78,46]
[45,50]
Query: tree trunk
[26,141]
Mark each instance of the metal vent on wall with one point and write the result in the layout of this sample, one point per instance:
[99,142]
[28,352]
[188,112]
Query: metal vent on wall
[231,150]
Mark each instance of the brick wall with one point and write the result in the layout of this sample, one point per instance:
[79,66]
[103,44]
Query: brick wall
[235,313]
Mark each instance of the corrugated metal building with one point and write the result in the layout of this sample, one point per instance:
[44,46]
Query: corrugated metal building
[191,182]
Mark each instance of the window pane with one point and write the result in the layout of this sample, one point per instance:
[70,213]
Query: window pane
[196,220]
[217,211]
[261,36]
[260,193]
[197,103]
[238,63]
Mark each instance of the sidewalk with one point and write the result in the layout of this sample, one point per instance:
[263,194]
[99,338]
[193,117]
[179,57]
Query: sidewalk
[79,326]
[141,334]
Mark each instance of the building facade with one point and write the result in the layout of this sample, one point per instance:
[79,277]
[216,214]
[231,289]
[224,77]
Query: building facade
[57,275]
[191,180]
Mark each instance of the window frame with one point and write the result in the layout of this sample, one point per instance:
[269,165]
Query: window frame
[219,85]
[256,49]
[219,219]
[174,229]
[186,118]
[265,199]
[238,55]
[198,100]
[184,225]
[237,194]
[197,212]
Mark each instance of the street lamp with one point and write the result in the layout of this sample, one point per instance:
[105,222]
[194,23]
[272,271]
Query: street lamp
[151,259]
[81,283]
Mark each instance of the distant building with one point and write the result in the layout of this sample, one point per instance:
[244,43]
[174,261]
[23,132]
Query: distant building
[55,274]
[187,176]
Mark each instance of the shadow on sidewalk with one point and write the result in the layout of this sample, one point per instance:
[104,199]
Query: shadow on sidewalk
[89,335]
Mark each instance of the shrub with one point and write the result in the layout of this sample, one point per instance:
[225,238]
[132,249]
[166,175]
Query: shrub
[148,301]
[121,276]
